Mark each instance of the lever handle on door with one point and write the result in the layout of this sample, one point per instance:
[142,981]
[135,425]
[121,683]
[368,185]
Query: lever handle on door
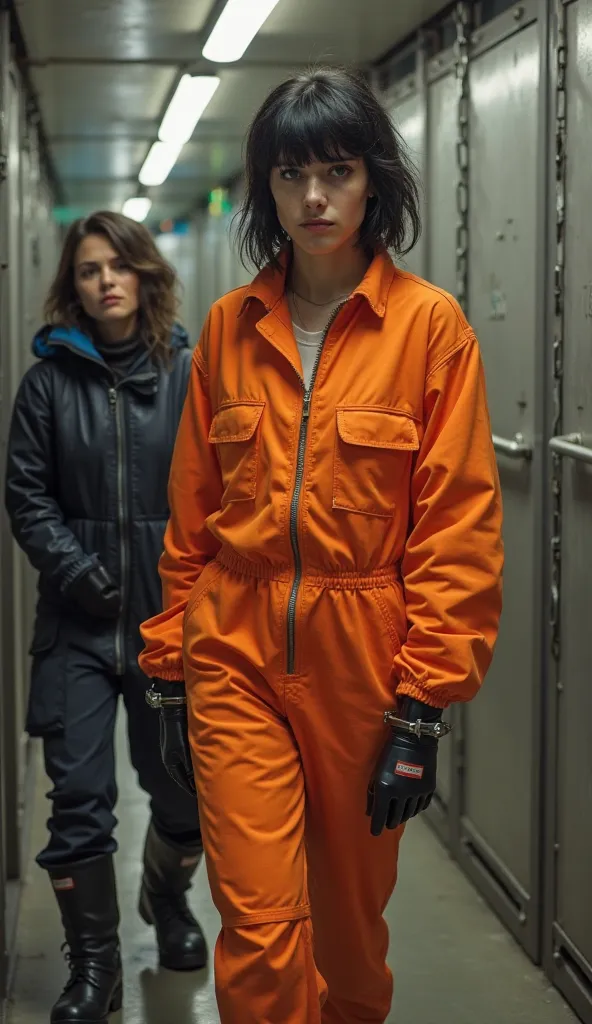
[571,446]
[516,447]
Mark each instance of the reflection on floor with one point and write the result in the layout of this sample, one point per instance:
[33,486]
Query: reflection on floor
[454,962]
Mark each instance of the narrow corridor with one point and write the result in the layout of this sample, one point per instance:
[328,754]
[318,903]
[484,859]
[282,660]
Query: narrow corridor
[454,962]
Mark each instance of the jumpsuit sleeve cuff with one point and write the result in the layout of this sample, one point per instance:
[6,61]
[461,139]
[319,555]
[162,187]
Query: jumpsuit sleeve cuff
[415,690]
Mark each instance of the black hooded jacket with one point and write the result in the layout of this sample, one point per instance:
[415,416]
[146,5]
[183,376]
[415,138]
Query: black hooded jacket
[86,483]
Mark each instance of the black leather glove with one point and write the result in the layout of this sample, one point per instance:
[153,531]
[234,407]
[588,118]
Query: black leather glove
[96,593]
[174,737]
[405,776]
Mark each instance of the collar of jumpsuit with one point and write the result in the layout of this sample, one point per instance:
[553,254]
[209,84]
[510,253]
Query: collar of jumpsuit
[385,468]
[270,284]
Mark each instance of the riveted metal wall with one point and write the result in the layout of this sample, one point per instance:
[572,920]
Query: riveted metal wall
[485,178]
[4,51]
[440,185]
[501,776]
[408,111]
[27,260]
[568,919]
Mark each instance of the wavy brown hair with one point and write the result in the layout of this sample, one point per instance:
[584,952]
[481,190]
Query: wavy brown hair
[135,245]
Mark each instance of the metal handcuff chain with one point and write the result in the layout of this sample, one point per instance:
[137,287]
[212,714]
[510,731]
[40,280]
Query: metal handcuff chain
[155,700]
[436,730]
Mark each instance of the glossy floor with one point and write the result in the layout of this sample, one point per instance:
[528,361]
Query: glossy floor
[454,962]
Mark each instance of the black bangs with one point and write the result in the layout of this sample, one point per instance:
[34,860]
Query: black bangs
[327,115]
[311,129]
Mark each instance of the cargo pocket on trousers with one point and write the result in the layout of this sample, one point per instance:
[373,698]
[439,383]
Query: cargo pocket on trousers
[47,693]
[235,433]
[373,458]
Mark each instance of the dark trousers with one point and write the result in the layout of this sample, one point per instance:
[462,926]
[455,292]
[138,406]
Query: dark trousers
[80,761]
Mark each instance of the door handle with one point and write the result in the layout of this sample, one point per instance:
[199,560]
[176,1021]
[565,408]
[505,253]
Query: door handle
[571,446]
[516,447]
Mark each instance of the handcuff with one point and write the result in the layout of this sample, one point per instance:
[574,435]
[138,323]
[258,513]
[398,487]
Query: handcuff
[436,730]
[155,700]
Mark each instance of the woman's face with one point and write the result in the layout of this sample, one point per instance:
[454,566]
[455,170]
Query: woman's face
[109,291]
[321,206]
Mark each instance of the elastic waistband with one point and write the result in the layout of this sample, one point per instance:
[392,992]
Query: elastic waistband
[381,577]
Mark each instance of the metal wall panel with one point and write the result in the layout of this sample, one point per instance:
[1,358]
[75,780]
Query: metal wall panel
[570,849]
[440,241]
[4,46]
[499,792]
[12,639]
[441,176]
[410,119]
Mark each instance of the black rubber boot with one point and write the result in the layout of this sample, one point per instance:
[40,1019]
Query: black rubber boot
[87,899]
[168,871]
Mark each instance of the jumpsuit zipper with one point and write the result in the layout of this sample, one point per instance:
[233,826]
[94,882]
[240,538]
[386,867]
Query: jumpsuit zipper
[295,503]
[122,520]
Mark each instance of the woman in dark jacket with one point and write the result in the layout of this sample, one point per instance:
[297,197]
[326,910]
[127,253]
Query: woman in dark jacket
[92,434]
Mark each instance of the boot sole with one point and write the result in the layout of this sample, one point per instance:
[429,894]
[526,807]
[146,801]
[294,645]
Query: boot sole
[189,962]
[115,1005]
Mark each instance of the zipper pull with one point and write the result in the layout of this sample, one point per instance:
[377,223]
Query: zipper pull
[306,409]
[112,396]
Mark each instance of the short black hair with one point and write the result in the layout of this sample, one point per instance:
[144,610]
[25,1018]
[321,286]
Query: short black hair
[327,114]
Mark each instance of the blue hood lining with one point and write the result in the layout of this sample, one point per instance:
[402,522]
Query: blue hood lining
[49,340]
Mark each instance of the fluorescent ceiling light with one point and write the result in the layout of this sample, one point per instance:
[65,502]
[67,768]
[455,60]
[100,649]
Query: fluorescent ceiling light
[137,208]
[186,107]
[236,28]
[159,162]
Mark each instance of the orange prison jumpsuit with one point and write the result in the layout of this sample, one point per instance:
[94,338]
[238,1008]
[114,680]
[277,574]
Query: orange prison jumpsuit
[321,557]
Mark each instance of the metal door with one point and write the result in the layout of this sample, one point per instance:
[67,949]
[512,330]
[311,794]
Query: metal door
[499,823]
[441,181]
[440,242]
[13,641]
[5,781]
[569,924]
[410,120]
[4,43]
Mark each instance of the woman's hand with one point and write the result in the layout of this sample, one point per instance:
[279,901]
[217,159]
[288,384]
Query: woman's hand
[175,750]
[404,780]
[96,593]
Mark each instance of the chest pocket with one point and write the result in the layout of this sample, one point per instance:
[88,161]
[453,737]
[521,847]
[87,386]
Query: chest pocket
[373,456]
[235,433]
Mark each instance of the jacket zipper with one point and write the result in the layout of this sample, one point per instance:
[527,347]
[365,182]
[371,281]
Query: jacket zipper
[295,503]
[121,509]
[122,520]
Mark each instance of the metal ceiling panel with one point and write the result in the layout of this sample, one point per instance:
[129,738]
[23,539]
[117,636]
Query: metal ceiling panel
[113,29]
[340,30]
[104,70]
[241,92]
[89,100]
[116,158]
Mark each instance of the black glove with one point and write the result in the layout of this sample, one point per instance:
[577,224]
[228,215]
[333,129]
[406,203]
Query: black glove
[404,780]
[174,738]
[96,593]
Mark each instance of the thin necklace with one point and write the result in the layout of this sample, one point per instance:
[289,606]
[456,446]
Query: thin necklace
[319,304]
[299,314]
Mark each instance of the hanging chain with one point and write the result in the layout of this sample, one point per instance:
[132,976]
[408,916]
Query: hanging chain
[558,316]
[462,20]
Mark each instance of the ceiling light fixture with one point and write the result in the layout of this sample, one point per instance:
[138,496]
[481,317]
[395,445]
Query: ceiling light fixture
[137,208]
[191,98]
[236,28]
[159,163]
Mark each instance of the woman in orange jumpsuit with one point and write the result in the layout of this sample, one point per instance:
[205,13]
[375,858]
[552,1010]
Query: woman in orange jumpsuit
[333,554]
